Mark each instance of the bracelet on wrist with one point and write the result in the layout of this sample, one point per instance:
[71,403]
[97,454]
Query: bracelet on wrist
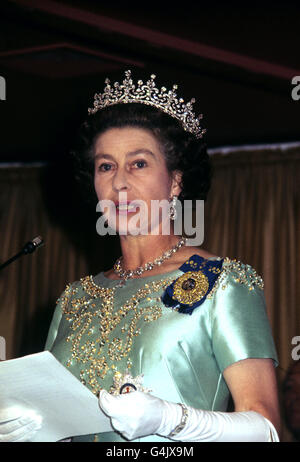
[182,423]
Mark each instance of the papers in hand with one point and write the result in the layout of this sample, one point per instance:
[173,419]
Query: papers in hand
[41,383]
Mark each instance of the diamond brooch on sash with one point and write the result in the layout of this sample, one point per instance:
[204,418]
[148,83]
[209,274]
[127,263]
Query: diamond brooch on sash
[191,289]
[126,383]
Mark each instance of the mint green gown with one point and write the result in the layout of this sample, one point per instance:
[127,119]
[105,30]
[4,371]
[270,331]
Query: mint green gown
[99,329]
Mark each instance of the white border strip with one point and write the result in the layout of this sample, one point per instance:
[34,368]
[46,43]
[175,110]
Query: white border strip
[23,165]
[254,147]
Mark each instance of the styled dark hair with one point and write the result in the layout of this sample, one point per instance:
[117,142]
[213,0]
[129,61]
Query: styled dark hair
[181,149]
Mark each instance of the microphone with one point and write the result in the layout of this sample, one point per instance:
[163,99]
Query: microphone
[30,247]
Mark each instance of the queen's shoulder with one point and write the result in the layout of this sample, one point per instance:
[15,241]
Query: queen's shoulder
[241,273]
[232,270]
[229,264]
[72,287]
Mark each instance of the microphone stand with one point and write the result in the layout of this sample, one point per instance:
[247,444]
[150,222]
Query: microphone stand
[30,247]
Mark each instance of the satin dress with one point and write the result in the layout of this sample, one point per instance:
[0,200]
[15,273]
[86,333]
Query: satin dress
[100,330]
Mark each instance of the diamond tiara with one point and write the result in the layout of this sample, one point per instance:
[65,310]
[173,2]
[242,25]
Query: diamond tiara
[150,95]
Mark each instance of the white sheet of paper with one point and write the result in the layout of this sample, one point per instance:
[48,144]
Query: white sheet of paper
[41,383]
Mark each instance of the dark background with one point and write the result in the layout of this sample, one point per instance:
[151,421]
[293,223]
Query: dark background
[236,58]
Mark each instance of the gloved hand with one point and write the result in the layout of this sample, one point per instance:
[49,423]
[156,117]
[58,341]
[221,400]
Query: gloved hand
[138,414]
[18,425]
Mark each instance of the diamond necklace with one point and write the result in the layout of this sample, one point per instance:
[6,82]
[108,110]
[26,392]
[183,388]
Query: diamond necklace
[127,274]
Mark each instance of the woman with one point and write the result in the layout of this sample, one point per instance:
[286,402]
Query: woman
[171,331]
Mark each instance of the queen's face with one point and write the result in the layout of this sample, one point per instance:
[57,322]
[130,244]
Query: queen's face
[129,167]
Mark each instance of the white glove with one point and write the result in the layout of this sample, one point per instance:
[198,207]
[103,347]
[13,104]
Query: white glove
[134,414]
[138,414]
[18,425]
